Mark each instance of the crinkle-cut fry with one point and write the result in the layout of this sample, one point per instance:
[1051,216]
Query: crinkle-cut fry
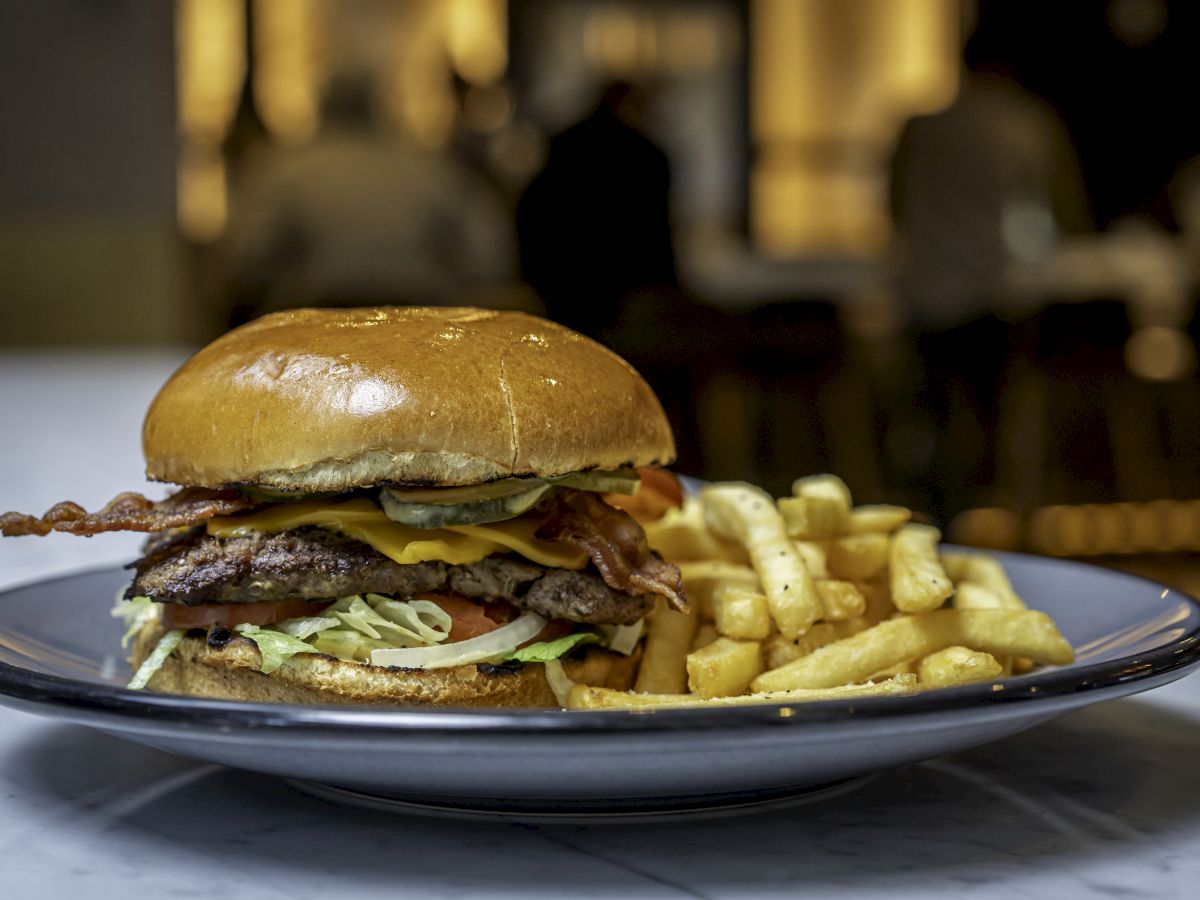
[919,583]
[724,668]
[749,515]
[702,579]
[740,613]
[841,600]
[664,659]
[850,660]
[957,665]
[814,555]
[858,557]
[877,517]
[583,696]
[681,535]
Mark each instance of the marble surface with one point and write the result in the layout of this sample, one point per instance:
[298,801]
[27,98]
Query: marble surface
[1104,802]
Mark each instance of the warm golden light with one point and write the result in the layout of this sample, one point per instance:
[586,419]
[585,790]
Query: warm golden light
[476,39]
[831,84]
[286,66]
[210,53]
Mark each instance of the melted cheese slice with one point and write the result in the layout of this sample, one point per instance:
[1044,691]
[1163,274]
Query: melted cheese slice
[363,520]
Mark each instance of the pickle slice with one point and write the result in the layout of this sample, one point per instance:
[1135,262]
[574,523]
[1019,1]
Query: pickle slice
[476,512]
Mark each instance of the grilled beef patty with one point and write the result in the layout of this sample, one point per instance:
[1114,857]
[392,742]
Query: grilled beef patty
[315,564]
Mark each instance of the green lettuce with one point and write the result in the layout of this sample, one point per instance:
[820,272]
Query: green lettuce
[545,651]
[135,613]
[165,647]
[275,647]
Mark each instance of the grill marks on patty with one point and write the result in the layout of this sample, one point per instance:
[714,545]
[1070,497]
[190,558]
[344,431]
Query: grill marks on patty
[313,563]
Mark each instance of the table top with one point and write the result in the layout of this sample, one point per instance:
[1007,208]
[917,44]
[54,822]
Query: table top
[1103,802]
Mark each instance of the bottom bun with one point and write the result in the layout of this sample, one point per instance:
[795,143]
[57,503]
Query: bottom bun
[232,672]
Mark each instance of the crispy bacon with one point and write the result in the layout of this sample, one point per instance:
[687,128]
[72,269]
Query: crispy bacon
[615,542]
[131,512]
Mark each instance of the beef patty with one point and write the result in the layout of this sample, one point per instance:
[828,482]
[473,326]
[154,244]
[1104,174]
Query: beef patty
[316,564]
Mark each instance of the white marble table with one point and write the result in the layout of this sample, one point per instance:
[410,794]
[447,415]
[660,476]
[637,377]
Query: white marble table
[1105,802]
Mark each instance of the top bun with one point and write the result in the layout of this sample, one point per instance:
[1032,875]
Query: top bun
[335,399]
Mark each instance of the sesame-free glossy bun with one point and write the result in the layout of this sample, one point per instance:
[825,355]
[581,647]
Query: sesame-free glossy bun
[330,400]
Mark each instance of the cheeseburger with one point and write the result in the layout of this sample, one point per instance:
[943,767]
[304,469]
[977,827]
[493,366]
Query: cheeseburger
[391,506]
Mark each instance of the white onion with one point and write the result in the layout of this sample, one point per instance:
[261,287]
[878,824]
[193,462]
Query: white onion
[560,683]
[623,638]
[459,653]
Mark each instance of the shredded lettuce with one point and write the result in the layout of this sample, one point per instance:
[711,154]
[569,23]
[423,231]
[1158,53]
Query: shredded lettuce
[275,647]
[135,613]
[165,647]
[545,651]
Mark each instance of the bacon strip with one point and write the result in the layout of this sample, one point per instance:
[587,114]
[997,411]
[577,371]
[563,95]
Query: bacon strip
[615,542]
[130,512]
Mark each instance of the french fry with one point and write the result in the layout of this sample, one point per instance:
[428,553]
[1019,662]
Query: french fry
[969,595]
[919,583]
[749,515]
[819,509]
[841,600]
[851,660]
[705,635]
[663,669]
[584,697]
[740,613]
[814,555]
[878,517]
[858,557]
[957,665]
[984,571]
[724,668]
[682,535]
[702,579]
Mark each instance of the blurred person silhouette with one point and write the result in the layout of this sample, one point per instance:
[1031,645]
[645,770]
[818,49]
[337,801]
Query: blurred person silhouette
[594,224]
[594,230]
[990,181]
[359,217]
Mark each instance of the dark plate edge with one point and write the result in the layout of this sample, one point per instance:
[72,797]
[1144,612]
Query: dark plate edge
[67,696]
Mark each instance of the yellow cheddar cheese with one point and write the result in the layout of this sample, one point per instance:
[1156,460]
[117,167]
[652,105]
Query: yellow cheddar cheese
[363,520]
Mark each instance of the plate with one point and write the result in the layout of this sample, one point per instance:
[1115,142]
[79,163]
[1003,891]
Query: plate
[59,656]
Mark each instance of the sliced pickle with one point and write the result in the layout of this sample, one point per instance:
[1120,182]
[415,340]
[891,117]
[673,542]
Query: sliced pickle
[478,512]
[618,481]
[469,493]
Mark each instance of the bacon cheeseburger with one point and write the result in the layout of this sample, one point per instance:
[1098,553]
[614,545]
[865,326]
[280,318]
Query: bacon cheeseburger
[401,506]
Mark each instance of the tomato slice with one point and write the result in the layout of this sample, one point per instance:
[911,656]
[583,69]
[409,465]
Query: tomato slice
[176,615]
[468,618]
[660,490]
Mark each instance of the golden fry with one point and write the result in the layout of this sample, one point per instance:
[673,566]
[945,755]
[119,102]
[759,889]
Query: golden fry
[584,697]
[841,600]
[850,660]
[814,556]
[724,668]
[664,660]
[682,535]
[740,613]
[702,580]
[749,515]
[819,510]
[859,557]
[919,583]
[878,517]
[957,665]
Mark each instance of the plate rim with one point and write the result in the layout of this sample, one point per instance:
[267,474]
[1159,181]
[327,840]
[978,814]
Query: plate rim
[60,694]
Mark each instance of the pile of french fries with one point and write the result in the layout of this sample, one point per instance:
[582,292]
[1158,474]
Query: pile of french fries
[810,598]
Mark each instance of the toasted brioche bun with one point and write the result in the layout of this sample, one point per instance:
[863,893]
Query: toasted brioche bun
[330,400]
[232,673]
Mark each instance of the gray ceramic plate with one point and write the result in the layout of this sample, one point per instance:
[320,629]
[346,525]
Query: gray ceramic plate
[59,656]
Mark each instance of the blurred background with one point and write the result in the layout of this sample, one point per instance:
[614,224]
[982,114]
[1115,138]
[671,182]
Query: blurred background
[947,250]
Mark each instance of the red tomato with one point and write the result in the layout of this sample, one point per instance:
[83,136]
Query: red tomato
[659,491]
[176,615]
[468,619]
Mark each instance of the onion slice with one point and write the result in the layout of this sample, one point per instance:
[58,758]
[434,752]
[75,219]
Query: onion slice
[460,653]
